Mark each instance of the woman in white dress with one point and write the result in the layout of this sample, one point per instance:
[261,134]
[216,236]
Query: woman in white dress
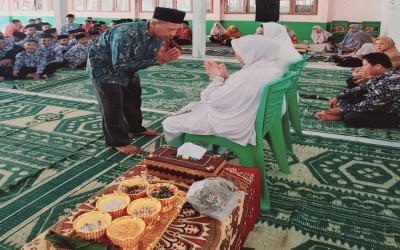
[321,40]
[287,53]
[229,104]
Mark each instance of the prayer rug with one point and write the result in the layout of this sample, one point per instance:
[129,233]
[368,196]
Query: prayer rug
[223,52]
[38,132]
[339,195]
[327,83]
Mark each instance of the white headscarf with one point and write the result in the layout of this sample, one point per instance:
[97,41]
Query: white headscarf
[217,32]
[321,37]
[228,108]
[253,48]
[287,53]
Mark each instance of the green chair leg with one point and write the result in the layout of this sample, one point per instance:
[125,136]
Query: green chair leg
[278,146]
[294,116]
[254,157]
[286,133]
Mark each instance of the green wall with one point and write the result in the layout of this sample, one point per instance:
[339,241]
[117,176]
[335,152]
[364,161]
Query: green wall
[302,29]
[4,20]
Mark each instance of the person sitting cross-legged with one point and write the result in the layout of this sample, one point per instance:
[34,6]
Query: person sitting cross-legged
[373,104]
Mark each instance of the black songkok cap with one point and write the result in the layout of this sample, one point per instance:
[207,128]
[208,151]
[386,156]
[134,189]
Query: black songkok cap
[169,15]
[46,35]
[72,31]
[101,22]
[94,32]
[62,37]
[88,20]
[18,34]
[80,30]
[80,36]
[49,31]
[30,26]
[14,21]
[97,26]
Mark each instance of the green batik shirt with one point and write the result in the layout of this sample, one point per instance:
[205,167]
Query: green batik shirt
[121,52]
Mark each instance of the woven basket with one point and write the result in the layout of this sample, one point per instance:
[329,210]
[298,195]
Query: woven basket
[117,196]
[133,182]
[167,203]
[136,205]
[126,231]
[90,217]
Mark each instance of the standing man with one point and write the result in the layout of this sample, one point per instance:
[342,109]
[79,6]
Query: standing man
[114,61]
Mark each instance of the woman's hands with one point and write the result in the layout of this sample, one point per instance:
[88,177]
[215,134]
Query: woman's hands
[215,70]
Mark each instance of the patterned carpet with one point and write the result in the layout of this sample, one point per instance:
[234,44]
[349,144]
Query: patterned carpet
[340,194]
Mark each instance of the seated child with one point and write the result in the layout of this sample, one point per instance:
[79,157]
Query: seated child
[217,33]
[183,34]
[54,59]
[373,104]
[62,43]
[78,54]
[231,33]
[31,62]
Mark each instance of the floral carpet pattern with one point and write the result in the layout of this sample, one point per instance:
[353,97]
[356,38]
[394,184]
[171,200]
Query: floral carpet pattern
[340,194]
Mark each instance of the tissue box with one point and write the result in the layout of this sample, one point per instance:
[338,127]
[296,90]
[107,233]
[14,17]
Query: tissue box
[164,164]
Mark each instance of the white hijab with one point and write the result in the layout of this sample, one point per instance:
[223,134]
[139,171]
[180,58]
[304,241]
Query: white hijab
[287,53]
[234,104]
[321,37]
[217,32]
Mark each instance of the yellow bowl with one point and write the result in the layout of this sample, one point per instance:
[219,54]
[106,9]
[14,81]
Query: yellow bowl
[91,218]
[126,231]
[140,208]
[131,183]
[168,202]
[114,204]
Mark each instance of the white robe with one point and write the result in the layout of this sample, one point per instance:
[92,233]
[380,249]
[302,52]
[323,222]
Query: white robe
[287,53]
[228,107]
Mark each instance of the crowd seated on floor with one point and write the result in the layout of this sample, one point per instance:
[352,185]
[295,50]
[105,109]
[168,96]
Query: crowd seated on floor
[37,50]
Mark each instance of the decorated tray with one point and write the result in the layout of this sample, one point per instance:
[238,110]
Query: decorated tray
[150,237]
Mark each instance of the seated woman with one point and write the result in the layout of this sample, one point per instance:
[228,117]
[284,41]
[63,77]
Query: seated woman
[322,40]
[184,34]
[291,34]
[349,44]
[364,46]
[231,33]
[287,53]
[374,104]
[382,44]
[217,33]
[229,104]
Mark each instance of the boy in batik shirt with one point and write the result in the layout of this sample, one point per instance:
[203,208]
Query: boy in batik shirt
[70,25]
[78,54]
[54,59]
[93,35]
[31,62]
[30,31]
[62,43]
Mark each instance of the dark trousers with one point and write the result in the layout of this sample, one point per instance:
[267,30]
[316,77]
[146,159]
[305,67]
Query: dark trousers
[182,41]
[372,119]
[120,109]
[12,53]
[215,40]
[6,72]
[52,67]
[350,62]
[24,71]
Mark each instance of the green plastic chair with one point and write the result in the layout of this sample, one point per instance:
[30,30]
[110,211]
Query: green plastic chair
[268,125]
[293,114]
